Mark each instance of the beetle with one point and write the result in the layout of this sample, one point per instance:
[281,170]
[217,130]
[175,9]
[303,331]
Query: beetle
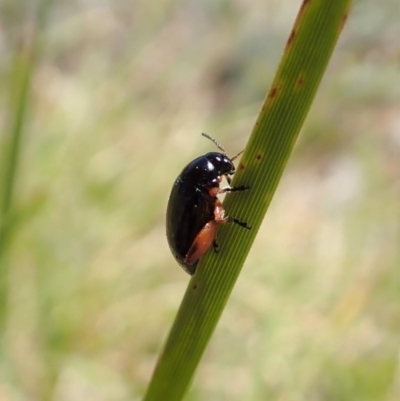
[194,210]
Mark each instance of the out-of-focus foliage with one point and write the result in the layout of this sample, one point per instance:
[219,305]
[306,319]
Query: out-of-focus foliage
[119,97]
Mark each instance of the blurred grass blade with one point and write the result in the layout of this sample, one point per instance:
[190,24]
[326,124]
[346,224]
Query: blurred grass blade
[306,55]
[20,85]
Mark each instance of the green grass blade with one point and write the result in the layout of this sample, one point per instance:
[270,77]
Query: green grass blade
[306,56]
[20,86]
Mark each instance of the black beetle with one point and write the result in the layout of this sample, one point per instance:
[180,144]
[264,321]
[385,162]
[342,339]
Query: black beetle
[194,211]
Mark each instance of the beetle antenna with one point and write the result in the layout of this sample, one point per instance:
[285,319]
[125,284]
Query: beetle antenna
[234,157]
[216,143]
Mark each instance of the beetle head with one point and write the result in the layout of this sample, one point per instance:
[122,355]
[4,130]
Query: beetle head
[219,164]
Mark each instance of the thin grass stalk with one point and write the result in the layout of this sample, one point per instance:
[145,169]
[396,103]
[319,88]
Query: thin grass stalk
[308,50]
[22,70]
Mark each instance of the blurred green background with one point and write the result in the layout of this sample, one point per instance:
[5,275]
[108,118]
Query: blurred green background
[120,94]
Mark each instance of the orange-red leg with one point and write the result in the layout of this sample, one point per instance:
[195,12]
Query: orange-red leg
[220,218]
[206,237]
[202,242]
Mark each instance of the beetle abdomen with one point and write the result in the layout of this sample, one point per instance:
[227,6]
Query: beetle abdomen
[189,210]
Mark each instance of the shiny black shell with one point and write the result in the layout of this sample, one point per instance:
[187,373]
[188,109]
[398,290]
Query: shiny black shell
[190,205]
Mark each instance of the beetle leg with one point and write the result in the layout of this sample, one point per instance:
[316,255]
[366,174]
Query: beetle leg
[202,242]
[230,219]
[214,191]
[215,246]
[219,214]
[234,189]
[219,211]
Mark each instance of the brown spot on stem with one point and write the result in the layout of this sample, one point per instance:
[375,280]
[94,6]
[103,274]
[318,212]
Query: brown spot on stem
[301,12]
[241,166]
[271,96]
[300,81]
[195,286]
[291,39]
[343,21]
[258,157]
[303,6]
